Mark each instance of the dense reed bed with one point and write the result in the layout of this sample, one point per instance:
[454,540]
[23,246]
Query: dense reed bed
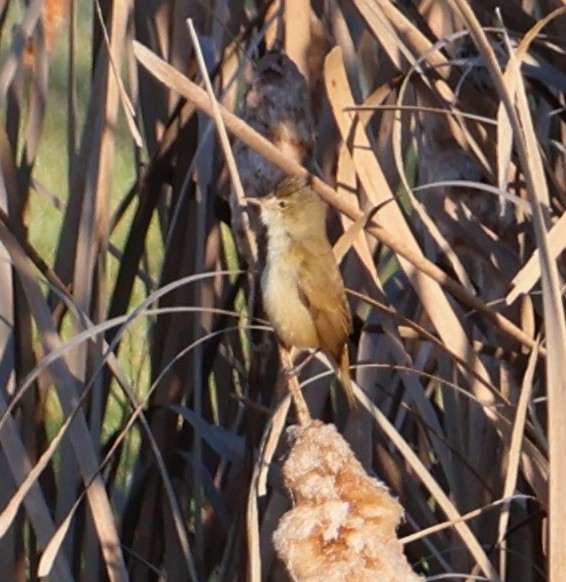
[142,417]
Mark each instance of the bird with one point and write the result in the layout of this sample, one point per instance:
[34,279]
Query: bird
[302,287]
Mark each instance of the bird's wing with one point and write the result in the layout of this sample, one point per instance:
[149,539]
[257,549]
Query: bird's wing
[322,291]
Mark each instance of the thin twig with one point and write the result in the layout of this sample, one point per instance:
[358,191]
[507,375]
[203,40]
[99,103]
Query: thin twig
[224,141]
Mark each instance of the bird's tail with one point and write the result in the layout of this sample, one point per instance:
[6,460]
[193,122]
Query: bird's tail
[345,379]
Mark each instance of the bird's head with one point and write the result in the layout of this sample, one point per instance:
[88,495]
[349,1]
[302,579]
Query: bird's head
[293,209]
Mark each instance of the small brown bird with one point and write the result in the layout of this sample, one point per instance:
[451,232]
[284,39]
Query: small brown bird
[303,290]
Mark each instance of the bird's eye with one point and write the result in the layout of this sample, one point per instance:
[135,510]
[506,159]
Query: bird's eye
[282,204]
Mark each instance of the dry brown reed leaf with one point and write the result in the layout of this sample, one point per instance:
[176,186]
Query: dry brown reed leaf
[80,435]
[478,229]
[514,457]
[256,561]
[125,101]
[530,273]
[342,526]
[442,314]
[83,460]
[441,498]
[531,165]
[273,18]
[89,210]
[297,16]
[34,501]
[92,171]
[403,41]
[473,226]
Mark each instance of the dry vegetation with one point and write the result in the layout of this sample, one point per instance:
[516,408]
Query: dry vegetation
[160,458]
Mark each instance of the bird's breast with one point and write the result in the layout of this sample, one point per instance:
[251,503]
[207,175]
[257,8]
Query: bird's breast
[290,317]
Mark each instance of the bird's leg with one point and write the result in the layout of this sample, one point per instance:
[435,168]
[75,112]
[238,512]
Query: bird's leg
[303,415]
[295,370]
